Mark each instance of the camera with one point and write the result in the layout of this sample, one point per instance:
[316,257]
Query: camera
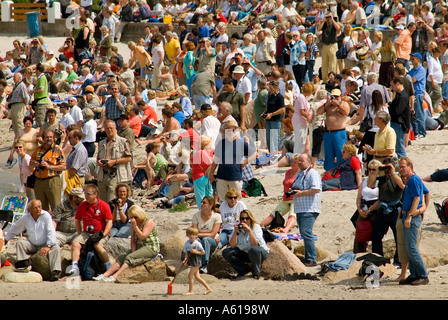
[240,225]
[39,161]
[115,201]
[90,228]
[103,161]
[263,115]
[291,192]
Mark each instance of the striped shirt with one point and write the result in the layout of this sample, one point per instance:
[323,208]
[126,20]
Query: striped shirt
[64,215]
[112,110]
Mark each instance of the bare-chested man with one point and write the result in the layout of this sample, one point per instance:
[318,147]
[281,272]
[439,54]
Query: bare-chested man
[336,111]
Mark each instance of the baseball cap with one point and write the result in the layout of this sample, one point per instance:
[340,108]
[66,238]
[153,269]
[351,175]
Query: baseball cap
[206,107]
[400,27]
[417,55]
[336,92]
[77,192]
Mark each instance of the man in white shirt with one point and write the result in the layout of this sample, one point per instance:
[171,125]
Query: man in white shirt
[41,237]
[243,85]
[75,111]
[435,77]
[210,124]
[66,118]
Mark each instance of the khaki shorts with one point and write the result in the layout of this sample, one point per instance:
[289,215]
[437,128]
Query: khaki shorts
[82,238]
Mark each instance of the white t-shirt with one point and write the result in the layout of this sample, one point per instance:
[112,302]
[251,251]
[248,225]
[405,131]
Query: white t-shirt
[244,86]
[76,113]
[231,216]
[210,127]
[89,129]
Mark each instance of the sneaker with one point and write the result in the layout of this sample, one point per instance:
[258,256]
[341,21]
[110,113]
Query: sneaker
[310,263]
[420,281]
[407,281]
[203,270]
[74,269]
[99,278]
[109,279]
[24,269]
[14,161]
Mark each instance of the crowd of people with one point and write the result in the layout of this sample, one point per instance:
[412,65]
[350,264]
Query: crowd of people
[228,101]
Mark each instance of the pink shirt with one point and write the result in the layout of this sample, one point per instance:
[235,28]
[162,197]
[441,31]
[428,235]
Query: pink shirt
[300,104]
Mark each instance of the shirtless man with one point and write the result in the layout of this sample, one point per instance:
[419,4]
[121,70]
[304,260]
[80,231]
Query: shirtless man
[336,111]
[169,124]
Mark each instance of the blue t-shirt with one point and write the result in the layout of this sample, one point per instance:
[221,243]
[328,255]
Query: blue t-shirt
[203,32]
[419,74]
[414,187]
[229,155]
[180,116]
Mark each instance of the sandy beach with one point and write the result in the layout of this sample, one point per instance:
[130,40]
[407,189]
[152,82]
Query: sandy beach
[333,228]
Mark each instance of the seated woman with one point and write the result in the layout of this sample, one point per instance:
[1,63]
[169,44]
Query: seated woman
[247,245]
[144,245]
[367,202]
[230,210]
[207,221]
[347,175]
[121,227]
[286,206]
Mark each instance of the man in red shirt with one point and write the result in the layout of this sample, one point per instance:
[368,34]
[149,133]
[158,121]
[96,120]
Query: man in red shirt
[148,114]
[93,215]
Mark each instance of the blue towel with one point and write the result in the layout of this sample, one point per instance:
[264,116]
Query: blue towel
[343,262]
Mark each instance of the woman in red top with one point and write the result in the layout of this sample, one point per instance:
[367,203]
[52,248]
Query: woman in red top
[287,205]
[68,49]
[200,161]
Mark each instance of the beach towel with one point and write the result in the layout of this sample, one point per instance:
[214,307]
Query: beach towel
[290,236]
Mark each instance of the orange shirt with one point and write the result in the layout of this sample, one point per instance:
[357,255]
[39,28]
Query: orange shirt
[53,157]
[403,44]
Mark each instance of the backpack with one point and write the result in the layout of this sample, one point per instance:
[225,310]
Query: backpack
[342,52]
[90,264]
[442,211]
[254,188]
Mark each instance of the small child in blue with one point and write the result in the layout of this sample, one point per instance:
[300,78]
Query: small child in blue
[191,255]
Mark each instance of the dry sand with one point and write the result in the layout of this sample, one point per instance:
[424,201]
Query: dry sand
[333,228]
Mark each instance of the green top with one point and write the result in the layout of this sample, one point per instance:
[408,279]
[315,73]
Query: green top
[42,83]
[160,161]
[236,99]
[72,76]
[260,104]
[152,241]
[386,56]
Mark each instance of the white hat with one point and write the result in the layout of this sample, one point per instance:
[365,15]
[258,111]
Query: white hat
[400,27]
[356,69]
[239,69]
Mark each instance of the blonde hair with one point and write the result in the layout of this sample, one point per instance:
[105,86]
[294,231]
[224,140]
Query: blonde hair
[231,192]
[192,231]
[349,148]
[137,212]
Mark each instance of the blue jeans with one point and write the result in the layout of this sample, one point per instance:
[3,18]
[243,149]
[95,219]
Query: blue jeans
[416,265]
[305,221]
[121,230]
[430,122]
[333,143]
[380,227]
[223,237]
[209,245]
[419,126]
[309,70]
[400,149]
[273,135]
[445,90]
[240,259]
[202,188]
[199,100]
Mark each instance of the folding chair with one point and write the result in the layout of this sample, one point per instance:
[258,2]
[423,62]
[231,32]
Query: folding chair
[12,209]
